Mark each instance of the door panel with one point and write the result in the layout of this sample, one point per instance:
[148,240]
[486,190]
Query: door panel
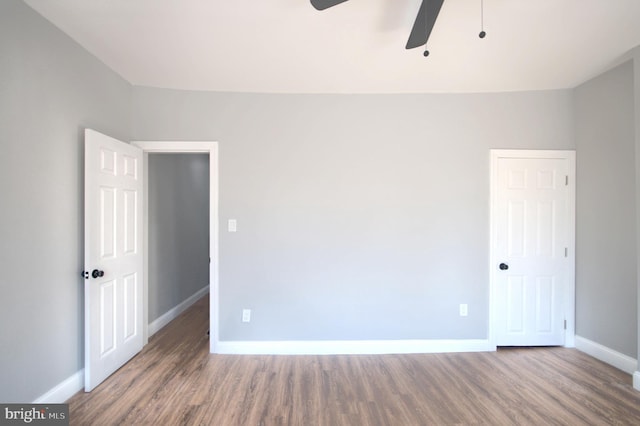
[130,222]
[515,304]
[531,220]
[113,227]
[545,295]
[131,290]
[516,232]
[107,212]
[107,330]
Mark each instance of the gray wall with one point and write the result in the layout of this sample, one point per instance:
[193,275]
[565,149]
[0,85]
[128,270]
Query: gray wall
[606,276]
[178,229]
[50,90]
[359,217]
[635,57]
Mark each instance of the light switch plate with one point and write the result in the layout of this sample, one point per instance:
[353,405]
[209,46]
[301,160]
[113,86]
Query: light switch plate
[232,225]
[464,310]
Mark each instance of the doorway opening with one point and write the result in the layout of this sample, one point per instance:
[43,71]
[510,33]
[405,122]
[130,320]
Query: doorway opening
[178,225]
[163,293]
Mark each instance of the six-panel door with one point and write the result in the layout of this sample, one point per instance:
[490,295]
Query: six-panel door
[531,271]
[113,255]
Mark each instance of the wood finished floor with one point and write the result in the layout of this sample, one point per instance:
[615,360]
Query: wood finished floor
[175,381]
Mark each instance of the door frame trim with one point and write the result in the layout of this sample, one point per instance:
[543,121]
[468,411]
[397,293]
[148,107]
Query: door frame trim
[570,291]
[178,147]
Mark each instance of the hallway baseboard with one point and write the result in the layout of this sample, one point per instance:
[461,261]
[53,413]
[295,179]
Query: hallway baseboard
[173,313]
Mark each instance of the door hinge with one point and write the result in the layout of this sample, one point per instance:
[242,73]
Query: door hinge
[566,180]
[565,324]
[566,252]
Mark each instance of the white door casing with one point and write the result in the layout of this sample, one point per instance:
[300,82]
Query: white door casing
[205,147]
[113,249]
[533,235]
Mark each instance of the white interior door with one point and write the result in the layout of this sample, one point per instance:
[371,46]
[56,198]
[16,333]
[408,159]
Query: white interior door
[113,255]
[532,251]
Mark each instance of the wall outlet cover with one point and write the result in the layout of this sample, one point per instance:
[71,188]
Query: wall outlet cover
[246,315]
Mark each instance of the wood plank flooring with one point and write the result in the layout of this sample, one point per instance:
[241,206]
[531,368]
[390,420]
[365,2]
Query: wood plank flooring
[175,381]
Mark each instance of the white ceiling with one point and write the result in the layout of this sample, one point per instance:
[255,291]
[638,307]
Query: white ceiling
[286,46]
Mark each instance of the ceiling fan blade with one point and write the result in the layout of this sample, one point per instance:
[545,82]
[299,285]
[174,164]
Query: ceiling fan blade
[325,4]
[426,19]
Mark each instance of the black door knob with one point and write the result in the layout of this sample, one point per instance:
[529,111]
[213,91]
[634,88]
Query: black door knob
[503,266]
[96,273]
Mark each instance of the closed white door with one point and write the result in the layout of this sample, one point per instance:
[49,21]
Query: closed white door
[532,251]
[113,255]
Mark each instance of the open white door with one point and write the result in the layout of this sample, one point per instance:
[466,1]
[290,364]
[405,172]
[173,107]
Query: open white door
[113,261]
[532,254]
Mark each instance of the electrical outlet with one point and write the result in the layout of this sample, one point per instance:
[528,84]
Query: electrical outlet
[463,310]
[246,315]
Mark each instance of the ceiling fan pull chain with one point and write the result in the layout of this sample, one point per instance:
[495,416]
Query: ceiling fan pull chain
[482,32]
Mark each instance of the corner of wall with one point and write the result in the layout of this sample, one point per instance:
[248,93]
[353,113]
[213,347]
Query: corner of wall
[609,356]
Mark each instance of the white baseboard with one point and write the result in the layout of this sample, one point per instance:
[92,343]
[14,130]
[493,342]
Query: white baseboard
[605,354]
[64,390]
[350,347]
[171,314]
[636,380]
